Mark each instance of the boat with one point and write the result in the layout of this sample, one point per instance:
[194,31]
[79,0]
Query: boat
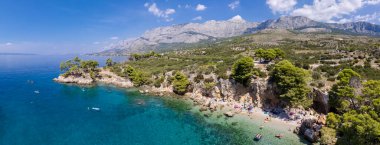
[258,137]
[262,126]
[279,136]
[93,108]
[37,92]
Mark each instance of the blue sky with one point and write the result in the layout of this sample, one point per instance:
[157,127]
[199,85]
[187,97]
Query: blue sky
[82,26]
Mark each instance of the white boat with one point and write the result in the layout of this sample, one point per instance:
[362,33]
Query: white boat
[37,92]
[93,108]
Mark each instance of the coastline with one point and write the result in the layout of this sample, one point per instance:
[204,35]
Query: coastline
[213,111]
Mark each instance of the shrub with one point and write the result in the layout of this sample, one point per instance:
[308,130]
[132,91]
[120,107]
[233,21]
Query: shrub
[180,83]
[328,136]
[159,81]
[198,78]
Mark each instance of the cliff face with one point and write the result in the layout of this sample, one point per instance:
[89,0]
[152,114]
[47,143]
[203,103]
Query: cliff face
[259,92]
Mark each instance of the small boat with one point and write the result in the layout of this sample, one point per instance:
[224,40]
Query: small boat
[93,108]
[37,92]
[258,137]
[279,136]
[262,126]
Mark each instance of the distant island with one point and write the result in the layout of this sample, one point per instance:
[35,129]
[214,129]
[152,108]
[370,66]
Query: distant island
[3,53]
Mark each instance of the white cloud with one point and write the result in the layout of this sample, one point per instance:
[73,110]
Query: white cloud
[237,18]
[234,5]
[372,2]
[8,44]
[281,6]
[366,18]
[114,38]
[332,10]
[187,6]
[197,18]
[200,7]
[165,14]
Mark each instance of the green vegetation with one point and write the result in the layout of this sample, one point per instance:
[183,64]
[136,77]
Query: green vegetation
[269,54]
[346,66]
[78,67]
[136,57]
[357,108]
[159,81]
[242,70]
[328,136]
[291,83]
[109,62]
[180,83]
[136,76]
[342,94]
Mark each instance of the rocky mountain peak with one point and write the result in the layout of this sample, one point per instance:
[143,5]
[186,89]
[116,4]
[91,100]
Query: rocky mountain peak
[237,19]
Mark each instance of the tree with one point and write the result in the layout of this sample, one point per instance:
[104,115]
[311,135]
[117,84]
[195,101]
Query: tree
[242,70]
[89,65]
[136,76]
[180,83]
[65,66]
[269,54]
[342,95]
[279,53]
[291,83]
[333,120]
[259,53]
[371,89]
[359,129]
[109,62]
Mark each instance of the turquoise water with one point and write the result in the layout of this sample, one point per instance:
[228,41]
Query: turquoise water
[59,115]
[34,110]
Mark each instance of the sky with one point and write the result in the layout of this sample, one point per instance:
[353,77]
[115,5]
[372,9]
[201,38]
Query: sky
[85,26]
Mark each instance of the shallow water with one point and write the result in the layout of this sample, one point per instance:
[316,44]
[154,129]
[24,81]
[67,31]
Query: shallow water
[34,110]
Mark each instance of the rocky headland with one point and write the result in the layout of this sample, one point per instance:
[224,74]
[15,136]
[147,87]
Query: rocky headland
[255,101]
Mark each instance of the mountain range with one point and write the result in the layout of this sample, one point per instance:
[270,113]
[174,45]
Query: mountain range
[178,36]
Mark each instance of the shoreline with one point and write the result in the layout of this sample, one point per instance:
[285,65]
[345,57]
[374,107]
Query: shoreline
[210,108]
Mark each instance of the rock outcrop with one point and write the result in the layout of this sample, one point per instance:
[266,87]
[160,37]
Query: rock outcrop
[104,76]
[75,80]
[320,100]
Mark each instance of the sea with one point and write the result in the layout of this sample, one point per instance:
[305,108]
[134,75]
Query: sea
[35,110]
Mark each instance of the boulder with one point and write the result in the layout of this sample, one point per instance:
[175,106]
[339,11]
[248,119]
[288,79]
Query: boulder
[296,130]
[203,108]
[213,107]
[321,119]
[310,135]
[229,114]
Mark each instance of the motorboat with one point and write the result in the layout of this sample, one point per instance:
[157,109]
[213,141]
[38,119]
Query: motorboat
[258,137]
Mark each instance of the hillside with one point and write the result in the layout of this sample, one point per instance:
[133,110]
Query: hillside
[186,35]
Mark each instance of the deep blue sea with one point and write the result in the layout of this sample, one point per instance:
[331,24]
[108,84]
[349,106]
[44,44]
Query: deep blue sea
[34,110]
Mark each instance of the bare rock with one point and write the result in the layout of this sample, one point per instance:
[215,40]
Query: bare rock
[311,135]
[203,108]
[76,80]
[321,119]
[229,114]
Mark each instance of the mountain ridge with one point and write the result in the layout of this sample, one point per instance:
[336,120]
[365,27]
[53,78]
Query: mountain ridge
[190,33]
